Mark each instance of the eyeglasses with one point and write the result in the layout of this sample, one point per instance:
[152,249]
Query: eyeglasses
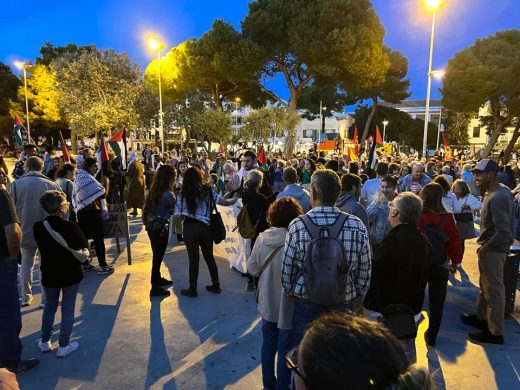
[291,359]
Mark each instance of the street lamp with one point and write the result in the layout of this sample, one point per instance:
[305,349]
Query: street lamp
[23,66]
[237,102]
[156,46]
[434,6]
[322,125]
[438,74]
[385,122]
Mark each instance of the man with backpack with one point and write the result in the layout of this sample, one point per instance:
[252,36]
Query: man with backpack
[326,264]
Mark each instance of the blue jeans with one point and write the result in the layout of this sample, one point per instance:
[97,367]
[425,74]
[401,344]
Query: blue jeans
[305,312]
[268,353]
[283,372]
[68,303]
[10,317]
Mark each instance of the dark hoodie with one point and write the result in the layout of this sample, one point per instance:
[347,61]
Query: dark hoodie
[348,203]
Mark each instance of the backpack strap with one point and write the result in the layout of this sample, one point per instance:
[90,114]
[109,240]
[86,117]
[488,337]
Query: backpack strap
[313,229]
[335,230]
[332,230]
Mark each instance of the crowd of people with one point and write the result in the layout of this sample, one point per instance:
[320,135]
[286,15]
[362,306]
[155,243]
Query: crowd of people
[342,253]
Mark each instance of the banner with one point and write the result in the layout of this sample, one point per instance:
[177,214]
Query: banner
[235,249]
[117,227]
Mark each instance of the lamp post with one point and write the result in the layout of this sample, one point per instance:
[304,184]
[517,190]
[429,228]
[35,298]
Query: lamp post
[23,66]
[156,46]
[237,102]
[385,122]
[322,126]
[433,5]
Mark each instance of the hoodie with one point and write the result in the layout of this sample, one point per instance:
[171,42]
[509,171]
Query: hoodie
[349,204]
[270,282]
[299,194]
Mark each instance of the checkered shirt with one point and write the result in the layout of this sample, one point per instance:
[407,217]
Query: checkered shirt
[355,239]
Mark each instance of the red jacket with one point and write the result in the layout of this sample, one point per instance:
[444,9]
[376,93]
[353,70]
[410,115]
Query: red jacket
[454,249]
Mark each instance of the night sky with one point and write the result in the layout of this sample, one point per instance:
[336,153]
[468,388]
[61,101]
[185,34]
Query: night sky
[120,24]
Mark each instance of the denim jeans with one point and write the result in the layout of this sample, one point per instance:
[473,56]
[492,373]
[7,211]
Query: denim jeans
[283,373]
[68,303]
[268,354]
[10,317]
[26,274]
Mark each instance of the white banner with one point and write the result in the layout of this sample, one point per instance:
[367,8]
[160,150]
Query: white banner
[235,248]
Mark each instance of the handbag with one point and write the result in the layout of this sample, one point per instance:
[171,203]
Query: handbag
[82,255]
[218,229]
[400,320]
[153,223]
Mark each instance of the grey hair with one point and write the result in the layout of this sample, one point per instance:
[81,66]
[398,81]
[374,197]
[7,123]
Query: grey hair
[467,167]
[325,186]
[52,200]
[445,169]
[409,207]
[418,165]
[34,163]
[254,179]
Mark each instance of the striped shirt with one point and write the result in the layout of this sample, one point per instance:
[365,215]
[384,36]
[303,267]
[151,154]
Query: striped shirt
[354,236]
[203,210]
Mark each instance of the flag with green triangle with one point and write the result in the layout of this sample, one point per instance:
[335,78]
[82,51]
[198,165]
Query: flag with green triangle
[17,132]
[118,145]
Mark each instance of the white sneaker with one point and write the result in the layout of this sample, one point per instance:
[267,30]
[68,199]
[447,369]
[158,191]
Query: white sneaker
[42,305]
[44,347]
[64,351]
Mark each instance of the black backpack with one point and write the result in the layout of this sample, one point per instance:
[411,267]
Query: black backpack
[438,239]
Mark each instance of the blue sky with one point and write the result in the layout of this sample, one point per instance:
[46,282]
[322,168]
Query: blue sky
[120,24]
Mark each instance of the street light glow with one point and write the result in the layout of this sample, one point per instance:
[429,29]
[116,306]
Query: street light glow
[438,74]
[237,100]
[19,64]
[155,44]
[385,122]
[434,5]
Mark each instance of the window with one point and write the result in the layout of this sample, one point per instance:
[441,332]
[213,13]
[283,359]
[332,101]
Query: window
[476,132]
[309,133]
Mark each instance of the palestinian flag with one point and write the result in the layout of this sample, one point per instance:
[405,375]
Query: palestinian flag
[102,151]
[377,142]
[118,145]
[64,150]
[17,132]
[261,156]
[356,142]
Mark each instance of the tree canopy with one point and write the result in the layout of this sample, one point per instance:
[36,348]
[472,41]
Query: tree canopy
[487,72]
[9,84]
[264,123]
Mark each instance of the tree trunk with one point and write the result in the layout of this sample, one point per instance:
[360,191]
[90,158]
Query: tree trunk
[369,121]
[188,137]
[512,142]
[492,139]
[74,141]
[216,98]
[290,142]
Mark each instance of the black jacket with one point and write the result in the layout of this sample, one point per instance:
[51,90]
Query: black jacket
[257,207]
[59,267]
[400,267]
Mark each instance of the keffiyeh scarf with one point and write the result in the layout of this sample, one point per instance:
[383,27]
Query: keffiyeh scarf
[86,189]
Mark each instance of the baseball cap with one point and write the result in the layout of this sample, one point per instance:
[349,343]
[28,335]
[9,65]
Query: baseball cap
[486,165]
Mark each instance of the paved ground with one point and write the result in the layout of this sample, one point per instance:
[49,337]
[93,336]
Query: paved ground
[213,342]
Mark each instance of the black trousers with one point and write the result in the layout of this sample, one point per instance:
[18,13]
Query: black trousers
[198,235]
[159,245]
[437,287]
[10,317]
[91,223]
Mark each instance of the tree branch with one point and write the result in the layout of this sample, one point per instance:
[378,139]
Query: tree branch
[271,93]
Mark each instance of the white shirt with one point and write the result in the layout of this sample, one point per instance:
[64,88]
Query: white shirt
[451,203]
[370,190]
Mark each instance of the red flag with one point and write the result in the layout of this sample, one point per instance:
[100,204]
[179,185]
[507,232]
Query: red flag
[66,156]
[356,142]
[379,139]
[102,152]
[221,149]
[261,155]
[445,140]
[17,121]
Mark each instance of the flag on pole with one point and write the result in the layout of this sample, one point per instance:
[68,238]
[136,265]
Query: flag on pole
[356,142]
[379,139]
[261,156]
[102,151]
[118,145]
[66,156]
[377,142]
[445,140]
[350,154]
[17,132]
[221,149]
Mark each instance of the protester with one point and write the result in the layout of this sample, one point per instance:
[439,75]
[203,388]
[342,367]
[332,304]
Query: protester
[348,200]
[10,316]
[60,268]
[159,207]
[405,170]
[231,178]
[136,184]
[379,209]
[439,226]
[469,205]
[372,188]
[350,231]
[341,351]
[278,177]
[181,170]
[416,180]
[195,203]
[401,264]
[64,178]
[467,176]
[496,237]
[29,150]
[248,163]
[293,190]
[26,192]
[265,263]
[91,209]
[445,172]
[449,199]
[308,170]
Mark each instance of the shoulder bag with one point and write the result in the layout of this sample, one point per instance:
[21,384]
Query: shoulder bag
[218,229]
[82,255]
[265,265]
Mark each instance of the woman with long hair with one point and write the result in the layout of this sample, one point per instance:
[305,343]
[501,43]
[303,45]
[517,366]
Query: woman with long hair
[439,226]
[159,206]
[136,185]
[195,203]
[449,200]
[64,178]
[470,204]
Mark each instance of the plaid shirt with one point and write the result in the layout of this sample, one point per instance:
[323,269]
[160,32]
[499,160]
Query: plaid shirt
[355,239]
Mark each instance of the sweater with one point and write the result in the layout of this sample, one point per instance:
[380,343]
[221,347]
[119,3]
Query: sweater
[497,220]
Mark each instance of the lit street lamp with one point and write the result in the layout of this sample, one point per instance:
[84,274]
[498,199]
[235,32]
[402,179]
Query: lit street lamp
[22,65]
[434,6]
[156,46]
[385,122]
[322,125]
[237,102]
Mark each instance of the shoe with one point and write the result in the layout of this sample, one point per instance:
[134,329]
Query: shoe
[250,286]
[26,365]
[190,292]
[214,288]
[428,340]
[485,336]
[42,305]
[64,351]
[87,267]
[159,292]
[106,270]
[27,303]
[474,321]
[165,282]
[44,346]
